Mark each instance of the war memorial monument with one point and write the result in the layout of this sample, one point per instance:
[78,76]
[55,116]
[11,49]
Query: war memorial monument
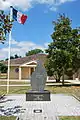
[38,81]
[38,100]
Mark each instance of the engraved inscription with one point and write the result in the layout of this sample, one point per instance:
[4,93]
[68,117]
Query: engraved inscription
[38,97]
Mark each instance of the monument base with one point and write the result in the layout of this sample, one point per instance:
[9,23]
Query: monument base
[38,96]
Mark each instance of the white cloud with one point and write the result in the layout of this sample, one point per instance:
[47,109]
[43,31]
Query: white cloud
[27,4]
[46,44]
[14,42]
[24,43]
[53,8]
[63,1]
[20,48]
[23,4]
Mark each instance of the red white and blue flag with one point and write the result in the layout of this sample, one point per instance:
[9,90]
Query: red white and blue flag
[19,17]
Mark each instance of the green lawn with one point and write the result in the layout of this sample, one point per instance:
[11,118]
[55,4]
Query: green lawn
[61,118]
[14,90]
[53,89]
[7,118]
[70,118]
[14,82]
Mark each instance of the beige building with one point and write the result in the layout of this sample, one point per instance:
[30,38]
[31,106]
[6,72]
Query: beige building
[22,68]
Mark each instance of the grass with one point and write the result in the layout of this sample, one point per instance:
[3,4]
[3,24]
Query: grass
[14,90]
[7,118]
[53,89]
[70,118]
[61,118]
[75,90]
[14,82]
[63,89]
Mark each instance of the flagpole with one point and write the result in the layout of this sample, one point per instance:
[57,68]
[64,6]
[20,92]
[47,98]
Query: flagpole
[9,51]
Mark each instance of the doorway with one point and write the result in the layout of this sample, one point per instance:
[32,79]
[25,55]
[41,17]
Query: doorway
[32,70]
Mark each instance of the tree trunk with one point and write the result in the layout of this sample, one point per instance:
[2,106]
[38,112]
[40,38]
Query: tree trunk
[63,77]
[58,79]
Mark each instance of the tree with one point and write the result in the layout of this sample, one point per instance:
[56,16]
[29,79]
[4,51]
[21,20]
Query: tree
[75,51]
[35,51]
[3,68]
[14,57]
[5,25]
[62,52]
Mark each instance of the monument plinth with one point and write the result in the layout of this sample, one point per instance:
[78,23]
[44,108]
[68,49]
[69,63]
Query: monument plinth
[38,81]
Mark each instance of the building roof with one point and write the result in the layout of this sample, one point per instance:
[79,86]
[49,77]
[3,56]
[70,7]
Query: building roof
[19,61]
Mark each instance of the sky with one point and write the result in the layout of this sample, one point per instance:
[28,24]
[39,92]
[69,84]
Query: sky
[37,30]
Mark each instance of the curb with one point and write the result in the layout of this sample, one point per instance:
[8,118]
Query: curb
[76,97]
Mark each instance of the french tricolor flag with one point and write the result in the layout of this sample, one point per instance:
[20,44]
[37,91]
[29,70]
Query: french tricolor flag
[18,16]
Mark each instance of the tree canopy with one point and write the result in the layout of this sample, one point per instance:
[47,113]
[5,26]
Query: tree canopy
[3,68]
[34,51]
[14,57]
[5,25]
[64,50]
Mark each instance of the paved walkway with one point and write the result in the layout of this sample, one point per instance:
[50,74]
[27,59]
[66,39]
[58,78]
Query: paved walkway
[60,105]
[73,81]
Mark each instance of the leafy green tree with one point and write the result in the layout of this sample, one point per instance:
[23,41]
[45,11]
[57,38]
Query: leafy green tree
[63,51]
[14,57]
[5,25]
[35,51]
[11,57]
[75,52]
[3,68]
